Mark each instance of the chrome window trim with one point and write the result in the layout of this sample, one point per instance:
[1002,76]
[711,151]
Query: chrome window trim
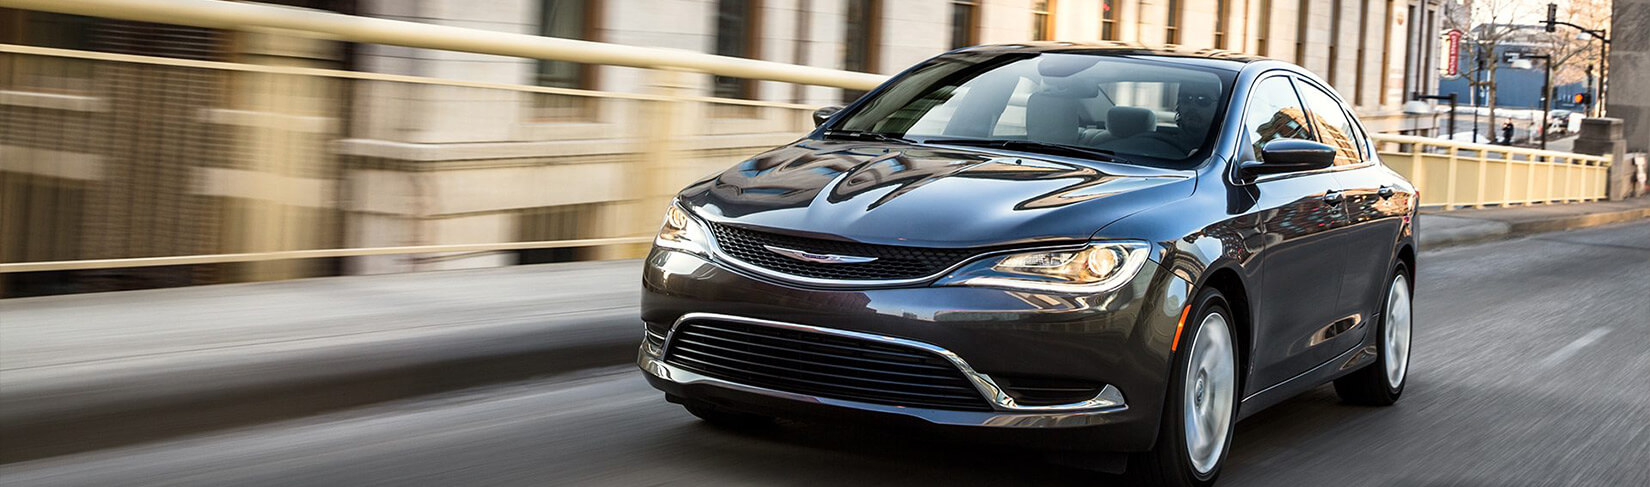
[1108,400]
[1295,77]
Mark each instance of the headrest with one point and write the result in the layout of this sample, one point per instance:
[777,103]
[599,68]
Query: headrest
[1070,88]
[1130,121]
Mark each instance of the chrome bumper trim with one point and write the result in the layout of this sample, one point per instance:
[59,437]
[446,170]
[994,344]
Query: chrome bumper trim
[1007,413]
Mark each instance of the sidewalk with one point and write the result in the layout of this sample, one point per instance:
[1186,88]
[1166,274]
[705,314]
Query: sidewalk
[1440,228]
[91,371]
[96,370]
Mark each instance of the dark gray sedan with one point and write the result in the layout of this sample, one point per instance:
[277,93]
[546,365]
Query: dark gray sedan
[1109,252]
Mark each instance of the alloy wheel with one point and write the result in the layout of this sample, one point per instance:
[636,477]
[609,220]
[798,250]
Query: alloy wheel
[1210,384]
[1397,332]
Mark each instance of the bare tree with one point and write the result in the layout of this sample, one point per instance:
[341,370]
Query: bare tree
[1571,50]
[1486,25]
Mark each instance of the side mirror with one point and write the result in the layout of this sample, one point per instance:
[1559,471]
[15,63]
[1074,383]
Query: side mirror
[1288,155]
[823,114]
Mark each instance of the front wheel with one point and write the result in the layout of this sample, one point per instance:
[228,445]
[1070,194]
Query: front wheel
[1380,383]
[1196,431]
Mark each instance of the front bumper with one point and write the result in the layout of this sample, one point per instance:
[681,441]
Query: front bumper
[1120,339]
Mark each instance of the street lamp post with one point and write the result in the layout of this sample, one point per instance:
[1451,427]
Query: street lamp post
[1551,25]
[1452,99]
[1476,83]
[1546,92]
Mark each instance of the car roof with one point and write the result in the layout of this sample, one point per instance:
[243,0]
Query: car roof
[1233,60]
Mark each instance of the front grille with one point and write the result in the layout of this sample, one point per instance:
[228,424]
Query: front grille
[822,365]
[893,262]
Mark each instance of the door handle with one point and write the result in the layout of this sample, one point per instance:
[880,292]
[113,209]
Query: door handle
[1333,197]
[1385,192]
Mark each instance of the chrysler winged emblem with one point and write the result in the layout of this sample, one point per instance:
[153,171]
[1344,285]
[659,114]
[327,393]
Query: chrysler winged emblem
[820,258]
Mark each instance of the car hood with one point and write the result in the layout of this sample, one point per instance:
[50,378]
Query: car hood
[901,194]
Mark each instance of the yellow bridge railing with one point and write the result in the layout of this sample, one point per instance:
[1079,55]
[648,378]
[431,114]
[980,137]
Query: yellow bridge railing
[1453,174]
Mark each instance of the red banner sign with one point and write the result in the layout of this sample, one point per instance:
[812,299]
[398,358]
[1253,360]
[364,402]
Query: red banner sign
[1452,53]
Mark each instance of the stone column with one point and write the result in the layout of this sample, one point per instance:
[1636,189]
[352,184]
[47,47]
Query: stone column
[1603,137]
[1629,95]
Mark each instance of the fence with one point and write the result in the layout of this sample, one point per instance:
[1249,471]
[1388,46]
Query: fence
[1454,174]
[174,162]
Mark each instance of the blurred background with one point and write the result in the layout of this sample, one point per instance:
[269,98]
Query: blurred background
[244,133]
[316,153]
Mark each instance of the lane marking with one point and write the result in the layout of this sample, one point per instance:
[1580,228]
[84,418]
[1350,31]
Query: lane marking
[1574,346]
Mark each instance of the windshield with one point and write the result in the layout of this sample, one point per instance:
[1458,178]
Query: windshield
[1141,110]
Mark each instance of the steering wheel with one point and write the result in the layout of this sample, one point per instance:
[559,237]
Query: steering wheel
[1167,139]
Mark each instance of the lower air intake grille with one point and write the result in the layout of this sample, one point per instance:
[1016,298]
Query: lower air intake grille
[822,365]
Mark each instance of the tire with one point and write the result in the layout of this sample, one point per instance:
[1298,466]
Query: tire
[1210,387]
[1382,382]
[724,418]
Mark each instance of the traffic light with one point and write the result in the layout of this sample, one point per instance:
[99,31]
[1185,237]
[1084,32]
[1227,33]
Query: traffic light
[1552,17]
[1583,99]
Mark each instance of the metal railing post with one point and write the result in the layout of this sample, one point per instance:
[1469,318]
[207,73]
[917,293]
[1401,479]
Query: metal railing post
[1529,183]
[1418,165]
[661,125]
[1483,176]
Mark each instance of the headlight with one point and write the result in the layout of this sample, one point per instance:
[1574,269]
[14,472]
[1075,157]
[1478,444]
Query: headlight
[681,232]
[1099,267]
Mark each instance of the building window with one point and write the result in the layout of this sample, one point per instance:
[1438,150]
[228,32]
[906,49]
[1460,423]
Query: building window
[1363,46]
[568,19]
[1305,13]
[1334,40]
[1172,24]
[862,40]
[1265,30]
[45,29]
[965,23]
[862,36]
[1386,54]
[735,36]
[1108,20]
[1223,8]
[1042,20]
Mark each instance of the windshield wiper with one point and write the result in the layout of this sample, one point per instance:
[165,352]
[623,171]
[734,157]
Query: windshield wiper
[863,135]
[1034,146]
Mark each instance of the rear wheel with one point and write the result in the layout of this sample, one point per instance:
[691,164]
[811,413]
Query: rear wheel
[1382,382]
[725,418]
[1196,432]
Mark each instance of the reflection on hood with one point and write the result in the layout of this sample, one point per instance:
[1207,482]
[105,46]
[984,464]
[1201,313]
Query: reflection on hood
[795,175]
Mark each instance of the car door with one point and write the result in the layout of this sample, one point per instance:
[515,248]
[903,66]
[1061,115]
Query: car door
[1375,200]
[1303,260]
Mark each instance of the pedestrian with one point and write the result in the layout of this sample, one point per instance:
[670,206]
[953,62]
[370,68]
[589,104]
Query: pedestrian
[1507,133]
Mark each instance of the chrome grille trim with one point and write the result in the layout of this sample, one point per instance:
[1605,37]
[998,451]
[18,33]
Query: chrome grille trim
[877,262]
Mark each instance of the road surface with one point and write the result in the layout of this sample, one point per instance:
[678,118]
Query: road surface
[1531,367]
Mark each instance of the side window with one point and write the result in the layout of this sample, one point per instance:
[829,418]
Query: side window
[1333,127]
[1275,113]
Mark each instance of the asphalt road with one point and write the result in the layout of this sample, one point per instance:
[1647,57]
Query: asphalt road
[1531,367]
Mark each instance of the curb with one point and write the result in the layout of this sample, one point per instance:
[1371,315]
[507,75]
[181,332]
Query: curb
[158,403]
[1465,231]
